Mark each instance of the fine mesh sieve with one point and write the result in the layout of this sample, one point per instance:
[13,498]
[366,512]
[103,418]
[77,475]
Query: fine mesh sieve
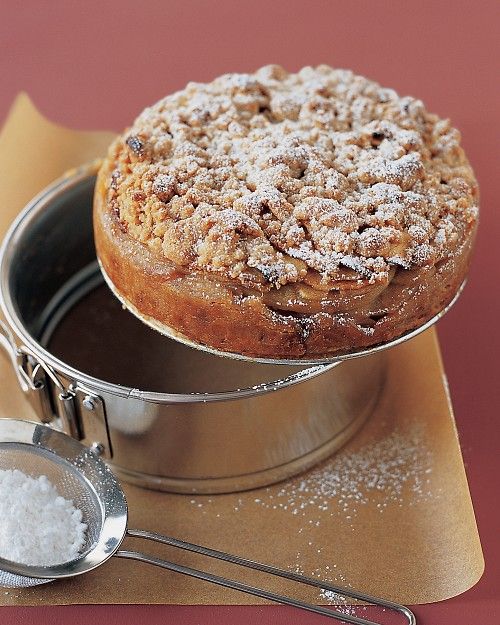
[36,461]
[80,475]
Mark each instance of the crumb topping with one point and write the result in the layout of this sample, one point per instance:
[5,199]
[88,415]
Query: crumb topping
[274,178]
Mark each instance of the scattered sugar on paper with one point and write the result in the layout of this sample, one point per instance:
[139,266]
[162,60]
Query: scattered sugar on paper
[395,470]
[342,603]
[37,525]
[392,471]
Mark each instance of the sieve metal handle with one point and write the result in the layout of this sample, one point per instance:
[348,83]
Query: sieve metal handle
[265,568]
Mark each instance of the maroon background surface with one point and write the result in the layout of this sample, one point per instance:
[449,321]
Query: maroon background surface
[95,65]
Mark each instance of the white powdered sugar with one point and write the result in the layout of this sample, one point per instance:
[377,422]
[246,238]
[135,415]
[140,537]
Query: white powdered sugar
[37,526]
[242,175]
[392,471]
[377,479]
[331,575]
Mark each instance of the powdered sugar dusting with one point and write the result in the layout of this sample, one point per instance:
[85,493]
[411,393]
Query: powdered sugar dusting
[384,475]
[393,471]
[37,525]
[332,575]
[270,177]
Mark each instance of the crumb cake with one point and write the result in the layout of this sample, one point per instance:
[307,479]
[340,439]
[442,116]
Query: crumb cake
[281,215]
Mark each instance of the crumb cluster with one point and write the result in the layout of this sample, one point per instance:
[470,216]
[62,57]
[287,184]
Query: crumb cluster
[275,178]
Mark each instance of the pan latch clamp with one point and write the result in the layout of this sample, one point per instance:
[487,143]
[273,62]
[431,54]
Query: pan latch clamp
[74,409]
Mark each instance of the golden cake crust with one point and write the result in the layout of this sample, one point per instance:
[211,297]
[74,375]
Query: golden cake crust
[287,215]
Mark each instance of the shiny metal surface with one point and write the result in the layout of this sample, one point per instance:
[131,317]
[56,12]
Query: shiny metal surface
[210,424]
[224,440]
[80,475]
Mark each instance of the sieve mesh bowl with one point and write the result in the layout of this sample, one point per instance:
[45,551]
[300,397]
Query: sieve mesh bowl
[78,475]
[35,461]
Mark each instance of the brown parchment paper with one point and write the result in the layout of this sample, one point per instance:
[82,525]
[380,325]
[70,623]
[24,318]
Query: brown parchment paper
[389,514]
